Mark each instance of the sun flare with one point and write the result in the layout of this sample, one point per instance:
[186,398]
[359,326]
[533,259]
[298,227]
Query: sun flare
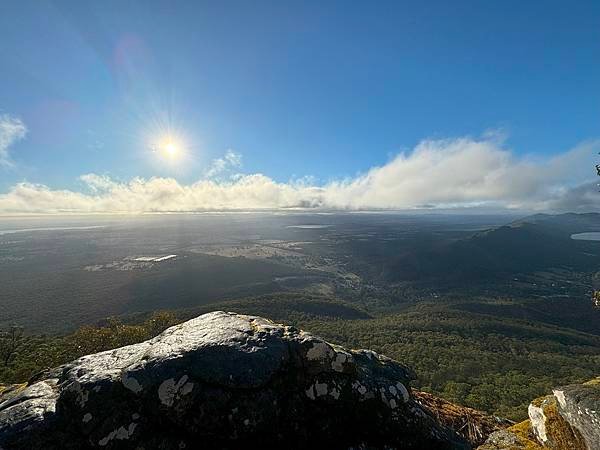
[171,149]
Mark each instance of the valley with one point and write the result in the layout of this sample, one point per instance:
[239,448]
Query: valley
[489,311]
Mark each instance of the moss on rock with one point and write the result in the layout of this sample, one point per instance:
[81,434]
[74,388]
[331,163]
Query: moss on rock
[549,428]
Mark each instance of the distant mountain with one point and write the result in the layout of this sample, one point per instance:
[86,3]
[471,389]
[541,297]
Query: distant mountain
[562,225]
[533,243]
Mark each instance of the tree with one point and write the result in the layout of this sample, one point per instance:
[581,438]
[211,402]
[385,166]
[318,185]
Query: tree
[10,341]
[160,321]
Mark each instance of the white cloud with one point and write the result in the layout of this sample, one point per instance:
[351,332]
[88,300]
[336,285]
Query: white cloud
[225,165]
[465,172]
[449,173]
[12,130]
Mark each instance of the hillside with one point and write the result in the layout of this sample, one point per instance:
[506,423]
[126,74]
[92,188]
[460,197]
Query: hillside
[483,360]
[534,243]
[225,380]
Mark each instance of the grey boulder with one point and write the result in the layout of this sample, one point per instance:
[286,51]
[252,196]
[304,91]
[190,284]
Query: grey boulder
[579,405]
[222,380]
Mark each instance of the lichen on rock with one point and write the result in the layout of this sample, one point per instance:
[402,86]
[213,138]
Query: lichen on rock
[576,408]
[566,420]
[223,380]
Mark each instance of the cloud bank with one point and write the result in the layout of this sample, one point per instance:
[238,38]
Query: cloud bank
[449,173]
[12,130]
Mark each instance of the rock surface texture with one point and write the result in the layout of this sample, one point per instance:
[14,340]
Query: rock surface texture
[569,419]
[222,380]
[579,406]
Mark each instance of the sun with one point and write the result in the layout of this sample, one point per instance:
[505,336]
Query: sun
[168,148]
[171,149]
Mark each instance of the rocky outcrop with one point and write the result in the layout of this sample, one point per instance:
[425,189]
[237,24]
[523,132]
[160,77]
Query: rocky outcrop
[509,439]
[550,428]
[579,406]
[222,380]
[569,419]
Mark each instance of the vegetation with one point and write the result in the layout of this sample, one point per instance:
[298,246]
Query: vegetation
[33,354]
[525,435]
[596,298]
[10,341]
[490,363]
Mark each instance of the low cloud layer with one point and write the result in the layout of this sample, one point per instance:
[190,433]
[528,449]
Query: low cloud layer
[451,173]
[12,130]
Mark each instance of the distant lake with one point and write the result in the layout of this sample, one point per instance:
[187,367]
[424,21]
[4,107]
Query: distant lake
[26,230]
[591,236]
[309,227]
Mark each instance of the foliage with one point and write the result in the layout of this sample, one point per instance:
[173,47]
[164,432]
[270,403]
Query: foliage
[9,343]
[36,353]
[495,364]
[596,298]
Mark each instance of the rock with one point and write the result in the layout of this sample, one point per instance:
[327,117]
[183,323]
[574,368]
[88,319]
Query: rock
[566,420]
[550,428]
[579,407]
[503,440]
[222,380]
[517,437]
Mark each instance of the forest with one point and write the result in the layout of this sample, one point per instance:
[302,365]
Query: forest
[495,364]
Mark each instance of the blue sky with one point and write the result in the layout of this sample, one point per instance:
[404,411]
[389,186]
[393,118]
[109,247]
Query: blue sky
[329,89]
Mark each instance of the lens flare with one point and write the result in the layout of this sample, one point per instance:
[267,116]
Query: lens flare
[171,149]
[169,146]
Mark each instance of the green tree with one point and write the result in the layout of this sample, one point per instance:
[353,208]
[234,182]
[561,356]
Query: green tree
[10,340]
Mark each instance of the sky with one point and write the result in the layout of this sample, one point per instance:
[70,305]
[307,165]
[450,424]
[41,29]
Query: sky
[192,105]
